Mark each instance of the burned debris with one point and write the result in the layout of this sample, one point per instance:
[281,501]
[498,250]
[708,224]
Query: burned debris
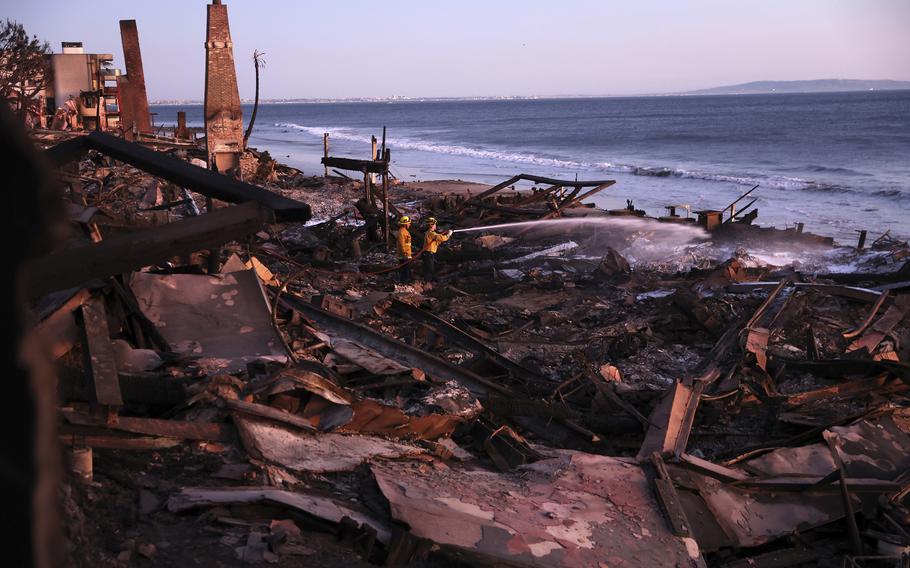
[535,407]
[240,376]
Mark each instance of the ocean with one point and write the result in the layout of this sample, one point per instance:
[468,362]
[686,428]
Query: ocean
[838,162]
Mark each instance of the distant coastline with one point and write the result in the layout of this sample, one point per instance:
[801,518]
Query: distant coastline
[794,87]
[751,88]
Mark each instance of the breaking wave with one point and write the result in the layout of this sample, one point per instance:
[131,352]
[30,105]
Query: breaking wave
[746,179]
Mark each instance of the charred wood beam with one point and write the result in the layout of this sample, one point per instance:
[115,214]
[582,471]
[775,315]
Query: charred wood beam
[94,437]
[499,186]
[868,321]
[849,292]
[267,412]
[456,335]
[561,431]
[116,255]
[572,200]
[538,196]
[184,174]
[354,165]
[567,183]
[183,429]
[555,183]
[140,388]
[669,498]
[827,484]
[99,353]
[672,418]
[855,539]
[766,305]
[900,275]
[394,349]
[503,209]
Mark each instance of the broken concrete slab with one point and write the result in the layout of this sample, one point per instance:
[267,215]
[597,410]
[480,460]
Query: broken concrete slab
[315,453]
[574,509]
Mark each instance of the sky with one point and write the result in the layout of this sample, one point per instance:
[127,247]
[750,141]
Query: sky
[419,48]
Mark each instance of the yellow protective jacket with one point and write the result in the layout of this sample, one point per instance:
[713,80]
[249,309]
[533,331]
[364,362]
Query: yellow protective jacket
[432,239]
[404,243]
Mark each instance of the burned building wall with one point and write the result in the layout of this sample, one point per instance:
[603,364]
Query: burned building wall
[223,117]
[134,105]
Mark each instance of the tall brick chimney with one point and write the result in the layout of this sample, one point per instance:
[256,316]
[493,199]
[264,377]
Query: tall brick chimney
[134,103]
[223,117]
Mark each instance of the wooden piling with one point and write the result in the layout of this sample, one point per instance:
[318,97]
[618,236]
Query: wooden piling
[325,153]
[385,197]
[862,241]
[373,156]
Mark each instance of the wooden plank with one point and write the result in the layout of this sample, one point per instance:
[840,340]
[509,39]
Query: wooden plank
[688,419]
[868,321]
[567,183]
[515,211]
[268,412]
[538,196]
[669,498]
[667,419]
[850,292]
[880,384]
[711,469]
[116,255]
[71,436]
[572,200]
[870,339]
[99,353]
[457,335]
[499,186]
[816,483]
[354,165]
[183,429]
[849,514]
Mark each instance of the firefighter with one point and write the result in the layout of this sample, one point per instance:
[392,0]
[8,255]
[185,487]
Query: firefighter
[404,249]
[431,241]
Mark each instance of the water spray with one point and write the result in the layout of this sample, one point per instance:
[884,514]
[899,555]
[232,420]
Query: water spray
[657,229]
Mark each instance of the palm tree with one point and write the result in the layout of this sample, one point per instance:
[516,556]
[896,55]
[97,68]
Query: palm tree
[258,62]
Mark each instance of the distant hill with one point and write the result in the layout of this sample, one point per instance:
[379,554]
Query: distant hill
[814,86]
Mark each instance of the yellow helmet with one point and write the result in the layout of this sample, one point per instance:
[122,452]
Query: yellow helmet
[405,220]
[431,221]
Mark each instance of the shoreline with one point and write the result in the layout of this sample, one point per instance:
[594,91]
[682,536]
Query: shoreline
[707,168]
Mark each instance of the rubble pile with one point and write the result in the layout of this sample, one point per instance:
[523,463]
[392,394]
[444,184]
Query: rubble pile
[264,390]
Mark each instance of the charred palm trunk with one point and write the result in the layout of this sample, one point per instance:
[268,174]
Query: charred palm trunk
[249,129]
